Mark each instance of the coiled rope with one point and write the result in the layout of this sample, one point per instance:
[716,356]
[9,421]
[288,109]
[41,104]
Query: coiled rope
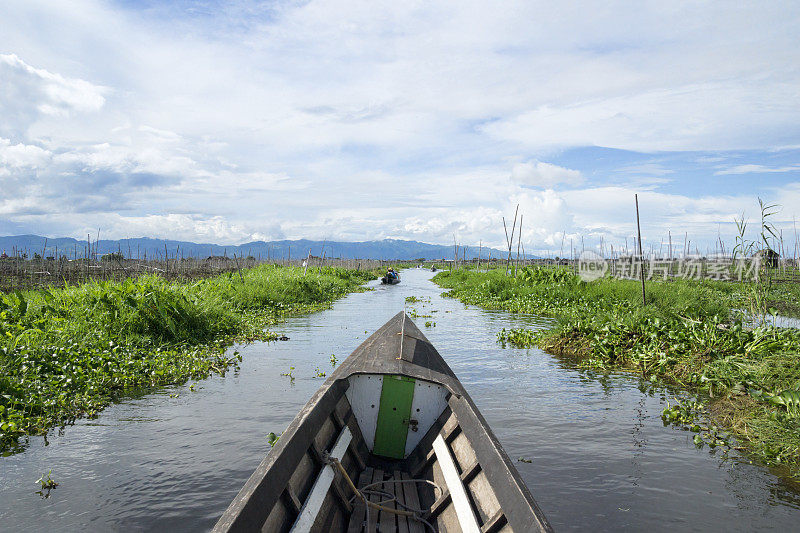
[410,512]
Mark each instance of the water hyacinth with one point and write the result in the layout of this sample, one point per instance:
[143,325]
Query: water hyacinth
[689,334]
[67,353]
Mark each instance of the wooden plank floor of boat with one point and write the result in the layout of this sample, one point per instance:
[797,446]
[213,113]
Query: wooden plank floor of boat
[381,521]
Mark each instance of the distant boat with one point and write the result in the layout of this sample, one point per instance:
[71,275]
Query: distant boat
[391,442]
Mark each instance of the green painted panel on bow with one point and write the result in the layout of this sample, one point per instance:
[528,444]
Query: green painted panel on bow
[394,412]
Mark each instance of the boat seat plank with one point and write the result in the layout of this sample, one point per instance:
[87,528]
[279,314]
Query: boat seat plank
[388,521]
[313,504]
[466,515]
[411,499]
[374,514]
[399,491]
[382,522]
[356,524]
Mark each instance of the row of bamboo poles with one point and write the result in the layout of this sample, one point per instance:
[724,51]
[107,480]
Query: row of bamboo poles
[25,269]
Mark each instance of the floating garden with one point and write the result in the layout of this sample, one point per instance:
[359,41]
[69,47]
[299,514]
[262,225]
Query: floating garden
[68,352]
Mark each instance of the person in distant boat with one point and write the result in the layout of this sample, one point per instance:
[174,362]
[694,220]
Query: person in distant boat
[391,274]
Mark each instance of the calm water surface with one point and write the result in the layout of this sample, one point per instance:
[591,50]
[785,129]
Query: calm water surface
[601,459]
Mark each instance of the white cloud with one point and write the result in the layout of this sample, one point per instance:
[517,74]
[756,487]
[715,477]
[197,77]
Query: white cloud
[748,169]
[378,119]
[647,169]
[28,94]
[544,175]
[703,116]
[22,155]
[61,95]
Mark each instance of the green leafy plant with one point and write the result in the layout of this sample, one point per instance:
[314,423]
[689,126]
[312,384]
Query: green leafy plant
[46,482]
[758,254]
[789,399]
[690,335]
[289,374]
[519,338]
[67,353]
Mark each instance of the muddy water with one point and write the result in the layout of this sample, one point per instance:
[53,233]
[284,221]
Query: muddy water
[172,459]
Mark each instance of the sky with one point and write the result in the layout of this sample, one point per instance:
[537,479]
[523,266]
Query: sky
[234,121]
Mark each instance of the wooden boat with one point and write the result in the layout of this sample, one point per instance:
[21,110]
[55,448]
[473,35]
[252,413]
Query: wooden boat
[391,442]
[386,280]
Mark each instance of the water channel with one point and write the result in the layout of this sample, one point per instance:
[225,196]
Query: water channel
[600,458]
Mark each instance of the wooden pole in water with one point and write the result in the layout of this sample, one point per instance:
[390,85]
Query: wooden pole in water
[670,245]
[519,241]
[510,242]
[455,253]
[641,258]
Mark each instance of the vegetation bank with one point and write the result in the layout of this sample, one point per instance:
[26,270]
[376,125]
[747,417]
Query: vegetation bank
[691,334]
[68,352]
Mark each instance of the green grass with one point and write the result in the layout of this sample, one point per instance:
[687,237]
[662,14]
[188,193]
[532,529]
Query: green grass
[689,334]
[67,353]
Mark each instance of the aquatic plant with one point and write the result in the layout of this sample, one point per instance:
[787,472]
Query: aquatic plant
[790,399]
[519,338]
[689,334]
[67,353]
[46,482]
[289,374]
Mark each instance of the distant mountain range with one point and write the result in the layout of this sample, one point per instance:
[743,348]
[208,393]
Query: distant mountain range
[389,249]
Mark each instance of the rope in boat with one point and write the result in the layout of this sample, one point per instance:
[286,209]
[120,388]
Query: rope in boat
[415,514]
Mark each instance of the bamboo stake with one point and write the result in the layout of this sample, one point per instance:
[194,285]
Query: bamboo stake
[455,254]
[519,241]
[670,245]
[510,242]
[641,258]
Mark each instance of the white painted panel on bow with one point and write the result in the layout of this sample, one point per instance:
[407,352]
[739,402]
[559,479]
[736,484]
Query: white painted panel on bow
[429,401]
[364,395]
